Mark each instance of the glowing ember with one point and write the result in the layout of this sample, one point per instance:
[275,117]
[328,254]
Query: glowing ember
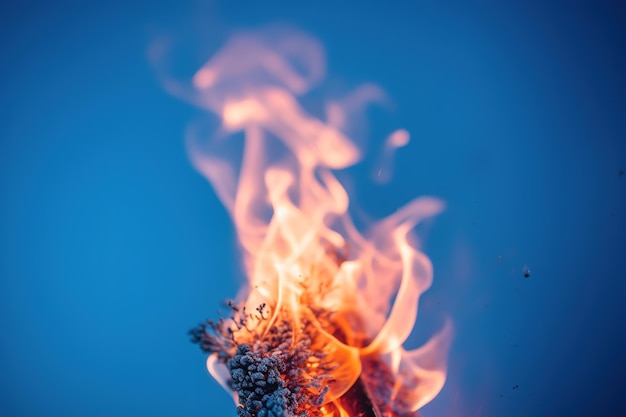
[314,332]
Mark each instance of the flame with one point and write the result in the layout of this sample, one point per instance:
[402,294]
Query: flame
[305,260]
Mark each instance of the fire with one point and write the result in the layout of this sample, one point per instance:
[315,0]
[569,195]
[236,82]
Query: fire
[327,307]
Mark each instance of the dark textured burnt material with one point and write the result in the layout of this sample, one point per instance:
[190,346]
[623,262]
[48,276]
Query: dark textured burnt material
[272,375]
[358,402]
[261,390]
[379,380]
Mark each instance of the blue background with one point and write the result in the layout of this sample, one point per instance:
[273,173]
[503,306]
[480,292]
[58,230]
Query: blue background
[112,246]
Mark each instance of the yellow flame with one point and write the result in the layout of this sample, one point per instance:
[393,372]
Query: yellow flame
[292,221]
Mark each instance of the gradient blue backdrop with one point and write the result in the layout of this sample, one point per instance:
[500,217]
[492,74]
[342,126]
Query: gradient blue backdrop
[112,246]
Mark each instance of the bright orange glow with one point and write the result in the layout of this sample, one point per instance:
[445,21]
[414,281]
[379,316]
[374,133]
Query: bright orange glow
[303,256]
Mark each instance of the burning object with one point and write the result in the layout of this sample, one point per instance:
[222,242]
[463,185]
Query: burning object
[319,328]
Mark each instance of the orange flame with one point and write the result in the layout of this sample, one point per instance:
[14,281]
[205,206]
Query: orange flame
[302,253]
